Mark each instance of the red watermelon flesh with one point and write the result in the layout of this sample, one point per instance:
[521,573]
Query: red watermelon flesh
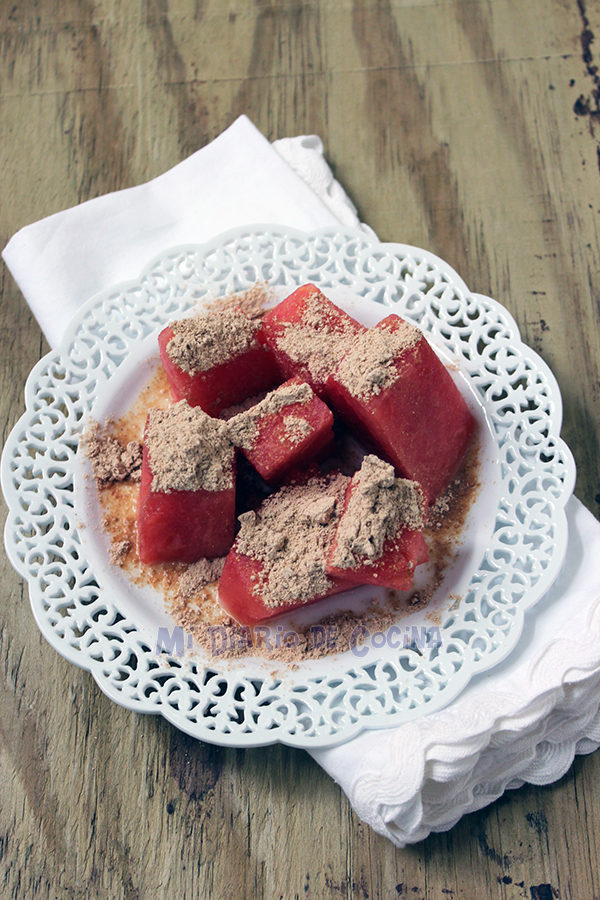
[244,374]
[238,597]
[379,537]
[284,435]
[395,568]
[419,421]
[278,562]
[184,525]
[308,335]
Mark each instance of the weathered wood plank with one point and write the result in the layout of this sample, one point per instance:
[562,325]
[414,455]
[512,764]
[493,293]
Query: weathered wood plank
[470,128]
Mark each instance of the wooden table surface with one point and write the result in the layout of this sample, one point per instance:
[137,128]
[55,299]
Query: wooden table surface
[469,127]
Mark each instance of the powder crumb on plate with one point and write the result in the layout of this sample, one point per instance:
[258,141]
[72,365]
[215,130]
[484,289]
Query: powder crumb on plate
[337,633]
[118,552]
[111,461]
[197,576]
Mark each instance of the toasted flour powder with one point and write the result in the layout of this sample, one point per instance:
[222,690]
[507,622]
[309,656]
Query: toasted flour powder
[111,461]
[188,449]
[244,427]
[313,342]
[204,341]
[296,429]
[379,508]
[291,535]
[370,365]
[197,576]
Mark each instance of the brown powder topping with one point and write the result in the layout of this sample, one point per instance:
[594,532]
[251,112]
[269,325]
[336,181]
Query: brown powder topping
[238,408]
[110,460]
[204,341]
[197,576]
[296,429]
[189,450]
[253,301]
[291,535]
[313,343]
[118,552]
[370,364]
[244,427]
[380,506]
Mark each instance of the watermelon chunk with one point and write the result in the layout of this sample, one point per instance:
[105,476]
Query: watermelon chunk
[286,430]
[239,598]
[397,394]
[216,360]
[379,539]
[279,558]
[186,506]
[308,335]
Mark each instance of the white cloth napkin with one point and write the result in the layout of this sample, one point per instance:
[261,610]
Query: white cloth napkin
[524,720]
[236,180]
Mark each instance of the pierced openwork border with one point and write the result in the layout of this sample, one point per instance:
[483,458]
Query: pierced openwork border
[247,705]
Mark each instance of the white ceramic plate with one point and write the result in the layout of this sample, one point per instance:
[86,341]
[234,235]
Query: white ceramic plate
[511,551]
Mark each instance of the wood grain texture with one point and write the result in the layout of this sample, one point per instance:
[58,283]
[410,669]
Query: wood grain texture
[471,128]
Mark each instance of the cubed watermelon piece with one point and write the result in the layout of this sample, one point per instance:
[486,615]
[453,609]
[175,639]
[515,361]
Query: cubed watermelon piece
[308,335]
[216,360]
[239,598]
[186,506]
[393,389]
[379,538]
[279,558]
[289,428]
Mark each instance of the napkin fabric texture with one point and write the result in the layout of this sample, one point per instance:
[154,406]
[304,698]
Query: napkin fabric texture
[522,721]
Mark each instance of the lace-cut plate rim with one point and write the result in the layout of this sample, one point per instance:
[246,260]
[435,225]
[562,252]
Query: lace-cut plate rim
[510,552]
